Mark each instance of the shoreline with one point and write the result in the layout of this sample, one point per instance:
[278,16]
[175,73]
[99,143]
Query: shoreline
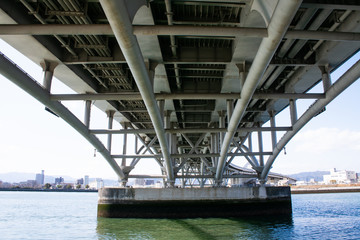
[324,190]
[297,190]
[44,190]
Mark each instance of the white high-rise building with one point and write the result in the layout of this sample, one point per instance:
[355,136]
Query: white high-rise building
[97,184]
[340,176]
[40,178]
[86,180]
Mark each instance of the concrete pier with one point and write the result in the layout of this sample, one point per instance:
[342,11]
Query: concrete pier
[193,202]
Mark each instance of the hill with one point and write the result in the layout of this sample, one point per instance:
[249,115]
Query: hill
[307,176]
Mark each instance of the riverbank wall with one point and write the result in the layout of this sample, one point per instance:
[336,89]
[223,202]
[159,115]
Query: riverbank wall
[193,202]
[45,190]
[311,190]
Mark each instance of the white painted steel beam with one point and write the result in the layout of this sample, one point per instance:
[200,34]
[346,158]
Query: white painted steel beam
[283,14]
[87,113]
[20,78]
[159,30]
[196,176]
[293,111]
[110,115]
[338,87]
[192,155]
[260,144]
[181,96]
[187,130]
[119,19]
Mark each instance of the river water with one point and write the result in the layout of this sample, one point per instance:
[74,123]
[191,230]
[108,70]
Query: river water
[61,215]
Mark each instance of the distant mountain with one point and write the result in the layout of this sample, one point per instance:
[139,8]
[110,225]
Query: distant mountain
[16,177]
[307,176]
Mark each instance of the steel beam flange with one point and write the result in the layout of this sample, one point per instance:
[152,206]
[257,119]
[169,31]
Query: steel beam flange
[24,81]
[283,14]
[119,19]
[338,87]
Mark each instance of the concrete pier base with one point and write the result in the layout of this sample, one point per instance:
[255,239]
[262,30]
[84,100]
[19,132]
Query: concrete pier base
[193,202]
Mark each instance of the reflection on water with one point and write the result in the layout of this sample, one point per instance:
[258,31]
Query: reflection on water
[61,215]
[210,228]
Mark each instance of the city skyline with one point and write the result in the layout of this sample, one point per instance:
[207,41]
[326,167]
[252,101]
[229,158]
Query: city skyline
[35,139]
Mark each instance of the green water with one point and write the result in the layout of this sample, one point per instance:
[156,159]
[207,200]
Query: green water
[191,229]
[58,215]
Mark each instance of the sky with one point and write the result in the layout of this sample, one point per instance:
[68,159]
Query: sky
[32,139]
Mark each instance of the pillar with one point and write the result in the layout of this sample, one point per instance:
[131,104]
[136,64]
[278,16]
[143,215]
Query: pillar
[229,108]
[161,104]
[250,142]
[212,148]
[110,125]
[151,65]
[87,113]
[293,111]
[260,143]
[48,68]
[273,132]
[123,162]
[167,125]
[242,75]
[325,75]
[221,125]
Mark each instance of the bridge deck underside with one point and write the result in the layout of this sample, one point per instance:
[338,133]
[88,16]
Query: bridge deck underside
[198,72]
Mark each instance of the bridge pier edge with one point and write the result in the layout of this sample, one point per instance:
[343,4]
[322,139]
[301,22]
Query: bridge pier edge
[194,202]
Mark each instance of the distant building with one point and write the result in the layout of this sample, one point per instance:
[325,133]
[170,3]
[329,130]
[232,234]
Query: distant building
[86,180]
[59,181]
[149,182]
[6,185]
[97,184]
[80,181]
[287,182]
[158,184]
[29,184]
[40,178]
[340,176]
[139,181]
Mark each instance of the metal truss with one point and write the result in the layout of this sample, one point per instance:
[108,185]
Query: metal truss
[183,85]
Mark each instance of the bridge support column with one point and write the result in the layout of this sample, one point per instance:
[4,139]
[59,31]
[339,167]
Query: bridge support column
[261,150]
[169,139]
[221,125]
[121,24]
[202,170]
[250,142]
[229,108]
[242,73]
[48,68]
[273,133]
[173,146]
[123,162]
[293,111]
[87,113]
[325,75]
[261,157]
[194,202]
[151,65]
[161,104]
[214,147]
[110,125]
[126,169]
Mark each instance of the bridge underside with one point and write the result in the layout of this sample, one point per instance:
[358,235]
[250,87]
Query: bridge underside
[198,83]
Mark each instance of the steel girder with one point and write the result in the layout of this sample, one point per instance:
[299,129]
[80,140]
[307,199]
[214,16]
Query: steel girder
[9,70]
[193,63]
